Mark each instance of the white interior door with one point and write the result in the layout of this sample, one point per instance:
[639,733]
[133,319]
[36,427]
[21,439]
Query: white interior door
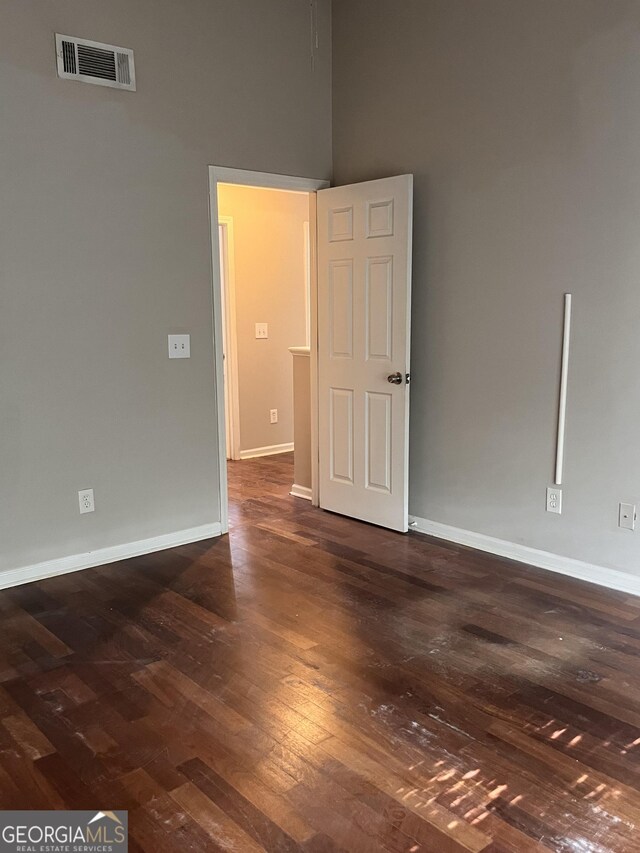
[364,311]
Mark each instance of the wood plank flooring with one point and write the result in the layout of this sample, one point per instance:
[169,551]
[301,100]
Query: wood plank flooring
[310,683]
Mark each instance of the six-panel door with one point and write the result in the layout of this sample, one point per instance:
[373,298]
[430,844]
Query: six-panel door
[364,304]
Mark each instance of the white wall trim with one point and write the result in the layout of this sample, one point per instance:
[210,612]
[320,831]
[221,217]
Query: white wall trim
[564,381]
[601,575]
[313,348]
[306,248]
[77,562]
[230,367]
[249,178]
[301,492]
[269,450]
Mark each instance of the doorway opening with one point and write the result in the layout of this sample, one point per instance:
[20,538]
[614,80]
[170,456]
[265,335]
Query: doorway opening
[264,273]
[360,247]
[264,316]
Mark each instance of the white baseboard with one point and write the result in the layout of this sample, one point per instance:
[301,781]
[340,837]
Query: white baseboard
[601,575]
[301,492]
[77,562]
[269,450]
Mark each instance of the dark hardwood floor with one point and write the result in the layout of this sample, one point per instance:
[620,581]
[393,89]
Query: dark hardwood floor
[310,683]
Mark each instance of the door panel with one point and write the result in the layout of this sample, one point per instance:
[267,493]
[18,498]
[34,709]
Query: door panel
[379,307]
[364,305]
[341,308]
[341,435]
[378,437]
[340,224]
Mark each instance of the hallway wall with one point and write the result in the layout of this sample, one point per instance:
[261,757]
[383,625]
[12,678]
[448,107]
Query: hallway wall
[270,284]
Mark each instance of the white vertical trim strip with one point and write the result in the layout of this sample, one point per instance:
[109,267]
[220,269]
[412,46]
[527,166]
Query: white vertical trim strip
[306,237]
[562,408]
[313,347]
[228,287]
[218,378]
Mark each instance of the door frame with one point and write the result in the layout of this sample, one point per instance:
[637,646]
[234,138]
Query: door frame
[230,362]
[267,180]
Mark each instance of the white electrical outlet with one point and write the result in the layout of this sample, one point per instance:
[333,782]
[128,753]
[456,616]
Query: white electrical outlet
[262,330]
[554,500]
[627,516]
[273,416]
[86,502]
[179,346]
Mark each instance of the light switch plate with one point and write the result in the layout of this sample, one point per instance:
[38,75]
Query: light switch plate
[627,516]
[262,330]
[179,346]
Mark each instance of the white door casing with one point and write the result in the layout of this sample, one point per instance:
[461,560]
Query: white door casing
[229,336]
[364,311]
[225,338]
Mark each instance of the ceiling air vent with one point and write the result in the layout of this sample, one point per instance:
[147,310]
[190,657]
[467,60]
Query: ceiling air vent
[93,62]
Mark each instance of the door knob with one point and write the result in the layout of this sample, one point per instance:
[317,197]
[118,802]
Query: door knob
[395,378]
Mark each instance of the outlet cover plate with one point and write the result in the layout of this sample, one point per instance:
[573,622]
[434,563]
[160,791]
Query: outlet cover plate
[179,346]
[627,516]
[86,501]
[554,500]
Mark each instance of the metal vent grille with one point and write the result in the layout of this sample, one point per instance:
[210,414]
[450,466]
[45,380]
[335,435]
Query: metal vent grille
[69,57]
[94,62]
[124,73]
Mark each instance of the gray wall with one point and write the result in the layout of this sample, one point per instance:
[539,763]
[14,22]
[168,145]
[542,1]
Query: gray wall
[105,249]
[521,122]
